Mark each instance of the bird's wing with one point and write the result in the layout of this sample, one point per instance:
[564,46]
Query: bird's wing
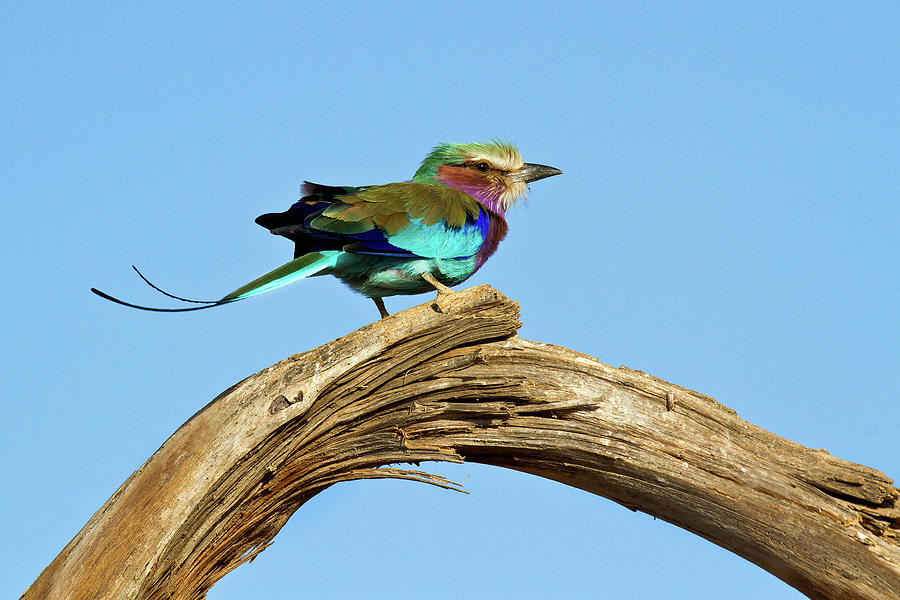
[397,219]
[294,222]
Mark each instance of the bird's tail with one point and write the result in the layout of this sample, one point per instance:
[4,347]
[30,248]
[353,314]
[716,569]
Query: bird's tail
[299,268]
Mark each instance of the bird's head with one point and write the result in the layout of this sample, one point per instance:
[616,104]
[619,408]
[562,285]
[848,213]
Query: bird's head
[491,172]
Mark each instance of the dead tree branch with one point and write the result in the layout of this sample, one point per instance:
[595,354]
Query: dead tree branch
[460,385]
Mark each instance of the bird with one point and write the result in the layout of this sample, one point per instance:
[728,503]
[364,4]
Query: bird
[428,233]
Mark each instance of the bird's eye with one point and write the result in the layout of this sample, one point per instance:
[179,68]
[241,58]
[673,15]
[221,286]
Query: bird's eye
[482,166]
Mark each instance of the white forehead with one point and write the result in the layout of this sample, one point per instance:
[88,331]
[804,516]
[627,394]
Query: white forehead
[500,156]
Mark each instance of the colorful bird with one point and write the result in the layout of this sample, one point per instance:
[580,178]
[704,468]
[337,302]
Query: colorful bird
[399,238]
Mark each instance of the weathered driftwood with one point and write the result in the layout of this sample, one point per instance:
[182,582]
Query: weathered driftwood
[460,385]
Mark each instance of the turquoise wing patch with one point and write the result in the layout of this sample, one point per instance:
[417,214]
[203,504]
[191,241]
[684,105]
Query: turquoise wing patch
[439,240]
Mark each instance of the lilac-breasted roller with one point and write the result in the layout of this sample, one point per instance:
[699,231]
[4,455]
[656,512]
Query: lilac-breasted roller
[429,233]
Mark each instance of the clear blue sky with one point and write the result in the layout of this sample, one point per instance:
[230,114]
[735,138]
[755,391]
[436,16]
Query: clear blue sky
[728,220]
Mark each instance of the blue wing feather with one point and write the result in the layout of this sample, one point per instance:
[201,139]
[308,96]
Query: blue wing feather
[441,241]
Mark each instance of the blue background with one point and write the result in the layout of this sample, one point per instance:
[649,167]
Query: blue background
[728,220]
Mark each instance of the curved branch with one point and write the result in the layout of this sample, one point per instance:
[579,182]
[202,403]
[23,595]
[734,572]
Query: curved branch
[460,385]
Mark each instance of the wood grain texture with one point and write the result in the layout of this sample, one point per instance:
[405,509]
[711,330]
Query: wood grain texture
[460,385]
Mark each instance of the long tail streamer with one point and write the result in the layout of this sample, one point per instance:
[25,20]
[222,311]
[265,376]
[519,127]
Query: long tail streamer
[156,309]
[165,293]
[303,266]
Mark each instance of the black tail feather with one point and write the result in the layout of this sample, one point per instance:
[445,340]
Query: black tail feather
[205,303]
[154,309]
[165,293]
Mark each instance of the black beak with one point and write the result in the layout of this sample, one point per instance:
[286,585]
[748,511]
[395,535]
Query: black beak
[532,172]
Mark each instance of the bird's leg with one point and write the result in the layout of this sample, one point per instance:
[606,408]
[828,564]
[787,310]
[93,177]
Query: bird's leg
[380,304]
[440,287]
[442,290]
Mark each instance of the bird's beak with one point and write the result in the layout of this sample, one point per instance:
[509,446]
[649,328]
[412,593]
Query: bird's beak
[532,172]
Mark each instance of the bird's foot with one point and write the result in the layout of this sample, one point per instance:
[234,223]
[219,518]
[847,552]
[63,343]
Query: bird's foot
[442,290]
[380,304]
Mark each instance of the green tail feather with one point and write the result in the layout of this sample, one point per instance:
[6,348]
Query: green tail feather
[303,266]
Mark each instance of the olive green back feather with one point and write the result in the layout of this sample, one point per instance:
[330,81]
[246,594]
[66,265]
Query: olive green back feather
[390,207]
